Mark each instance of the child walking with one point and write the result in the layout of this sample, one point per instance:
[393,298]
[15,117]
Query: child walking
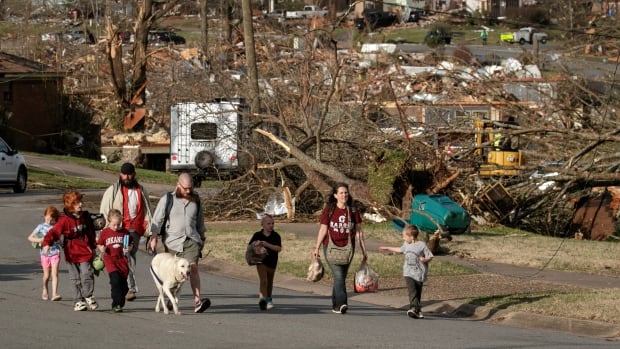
[272,242]
[51,259]
[415,267]
[115,242]
[79,244]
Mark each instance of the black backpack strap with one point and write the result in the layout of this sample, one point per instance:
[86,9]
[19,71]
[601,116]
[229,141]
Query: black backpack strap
[167,210]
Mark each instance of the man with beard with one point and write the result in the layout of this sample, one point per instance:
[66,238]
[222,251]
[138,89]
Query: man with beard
[132,199]
[184,231]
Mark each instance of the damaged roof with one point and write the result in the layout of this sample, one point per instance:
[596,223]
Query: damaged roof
[14,65]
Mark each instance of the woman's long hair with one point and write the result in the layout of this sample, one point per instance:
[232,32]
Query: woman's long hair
[331,200]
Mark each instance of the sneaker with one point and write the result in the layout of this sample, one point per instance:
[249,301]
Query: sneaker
[92,303]
[262,304]
[202,305]
[130,296]
[341,310]
[56,298]
[420,315]
[269,304]
[411,313]
[79,306]
[117,309]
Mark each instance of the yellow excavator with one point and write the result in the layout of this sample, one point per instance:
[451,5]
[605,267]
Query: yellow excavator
[500,152]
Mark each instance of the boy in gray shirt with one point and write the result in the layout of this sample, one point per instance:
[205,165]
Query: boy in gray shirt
[415,267]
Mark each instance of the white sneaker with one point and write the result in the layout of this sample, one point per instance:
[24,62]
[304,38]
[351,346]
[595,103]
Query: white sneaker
[79,306]
[92,303]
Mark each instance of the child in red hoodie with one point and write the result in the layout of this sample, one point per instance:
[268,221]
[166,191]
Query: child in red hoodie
[115,242]
[78,232]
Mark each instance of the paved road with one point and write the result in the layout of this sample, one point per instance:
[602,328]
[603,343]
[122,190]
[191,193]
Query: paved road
[300,319]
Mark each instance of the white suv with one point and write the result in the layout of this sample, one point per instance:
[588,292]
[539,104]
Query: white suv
[13,172]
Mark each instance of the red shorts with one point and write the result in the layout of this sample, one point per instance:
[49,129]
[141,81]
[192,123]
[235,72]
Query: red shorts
[48,261]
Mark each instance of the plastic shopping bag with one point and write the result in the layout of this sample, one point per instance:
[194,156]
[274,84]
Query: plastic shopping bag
[366,279]
[315,271]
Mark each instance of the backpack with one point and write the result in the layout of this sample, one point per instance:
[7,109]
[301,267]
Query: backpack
[162,230]
[169,201]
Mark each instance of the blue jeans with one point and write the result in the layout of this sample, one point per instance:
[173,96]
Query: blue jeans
[339,290]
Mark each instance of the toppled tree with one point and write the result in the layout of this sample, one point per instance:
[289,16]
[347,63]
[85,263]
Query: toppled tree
[329,125]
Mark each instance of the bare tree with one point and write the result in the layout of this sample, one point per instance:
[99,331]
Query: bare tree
[133,96]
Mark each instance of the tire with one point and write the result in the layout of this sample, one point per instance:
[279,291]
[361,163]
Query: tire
[203,159]
[522,41]
[543,41]
[21,180]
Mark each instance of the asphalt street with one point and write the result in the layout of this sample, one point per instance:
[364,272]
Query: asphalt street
[301,319]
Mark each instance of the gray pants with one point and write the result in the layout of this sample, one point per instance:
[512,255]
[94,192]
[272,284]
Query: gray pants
[83,278]
[131,278]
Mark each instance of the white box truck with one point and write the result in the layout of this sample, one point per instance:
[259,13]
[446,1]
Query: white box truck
[205,138]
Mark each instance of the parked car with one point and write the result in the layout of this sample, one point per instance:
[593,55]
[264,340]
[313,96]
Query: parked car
[13,172]
[525,35]
[164,37]
[277,13]
[375,19]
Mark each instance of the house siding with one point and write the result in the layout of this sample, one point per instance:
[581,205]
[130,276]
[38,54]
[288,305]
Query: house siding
[31,113]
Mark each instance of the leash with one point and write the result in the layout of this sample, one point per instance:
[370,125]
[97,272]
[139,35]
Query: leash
[156,277]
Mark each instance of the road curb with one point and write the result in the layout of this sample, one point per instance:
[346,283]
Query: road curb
[449,309]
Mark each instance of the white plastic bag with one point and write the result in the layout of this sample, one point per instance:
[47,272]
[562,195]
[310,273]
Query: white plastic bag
[315,271]
[366,279]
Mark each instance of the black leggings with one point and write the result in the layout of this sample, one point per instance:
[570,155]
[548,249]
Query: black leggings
[119,288]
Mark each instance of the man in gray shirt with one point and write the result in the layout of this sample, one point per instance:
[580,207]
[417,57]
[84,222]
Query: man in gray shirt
[185,231]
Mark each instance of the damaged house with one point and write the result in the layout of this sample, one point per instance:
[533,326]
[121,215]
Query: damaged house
[31,107]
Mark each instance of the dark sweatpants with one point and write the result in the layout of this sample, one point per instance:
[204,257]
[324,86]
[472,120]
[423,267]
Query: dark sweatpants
[415,293]
[119,288]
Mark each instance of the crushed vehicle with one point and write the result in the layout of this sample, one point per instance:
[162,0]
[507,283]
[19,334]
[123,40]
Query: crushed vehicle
[375,19]
[524,35]
[164,37]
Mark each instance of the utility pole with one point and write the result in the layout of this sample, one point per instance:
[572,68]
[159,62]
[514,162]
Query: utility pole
[250,55]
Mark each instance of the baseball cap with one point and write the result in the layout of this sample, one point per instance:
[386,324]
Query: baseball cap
[128,168]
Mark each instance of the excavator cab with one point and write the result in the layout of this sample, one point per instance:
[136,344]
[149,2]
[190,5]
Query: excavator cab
[500,152]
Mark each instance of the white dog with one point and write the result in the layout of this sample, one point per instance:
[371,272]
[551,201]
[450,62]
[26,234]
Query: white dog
[169,273]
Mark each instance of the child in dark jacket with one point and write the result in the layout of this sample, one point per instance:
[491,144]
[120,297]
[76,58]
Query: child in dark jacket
[115,242]
[268,239]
